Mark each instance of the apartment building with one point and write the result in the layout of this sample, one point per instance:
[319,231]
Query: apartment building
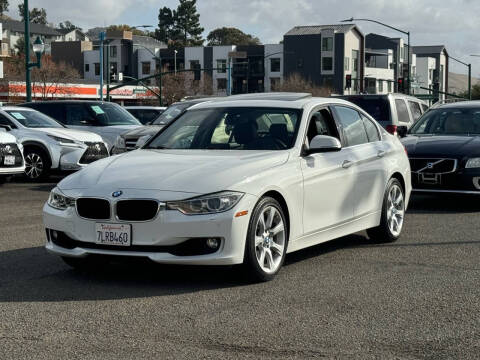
[328,55]
[440,73]
[13,30]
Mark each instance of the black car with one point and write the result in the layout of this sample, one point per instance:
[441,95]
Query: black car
[444,149]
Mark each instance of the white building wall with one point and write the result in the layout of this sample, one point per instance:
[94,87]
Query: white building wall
[91,57]
[352,42]
[270,49]
[220,53]
[380,75]
[443,77]
[424,67]
[146,56]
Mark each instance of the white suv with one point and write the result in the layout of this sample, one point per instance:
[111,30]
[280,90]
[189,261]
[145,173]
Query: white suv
[11,158]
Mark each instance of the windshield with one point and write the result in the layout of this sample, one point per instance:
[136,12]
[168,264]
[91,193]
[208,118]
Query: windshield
[376,106]
[231,129]
[449,121]
[111,114]
[33,119]
[171,113]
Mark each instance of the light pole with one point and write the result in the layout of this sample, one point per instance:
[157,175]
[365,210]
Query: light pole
[175,60]
[38,48]
[396,29]
[469,66]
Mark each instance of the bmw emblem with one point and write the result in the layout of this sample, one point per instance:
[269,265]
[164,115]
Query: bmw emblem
[117,194]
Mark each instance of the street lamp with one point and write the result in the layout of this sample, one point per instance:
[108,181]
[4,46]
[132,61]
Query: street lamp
[396,29]
[175,60]
[469,66]
[38,49]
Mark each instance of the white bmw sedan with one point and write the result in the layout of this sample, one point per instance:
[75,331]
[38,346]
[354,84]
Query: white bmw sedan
[236,182]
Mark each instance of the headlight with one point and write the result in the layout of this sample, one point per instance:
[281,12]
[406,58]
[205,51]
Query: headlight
[207,204]
[473,163]
[119,142]
[59,201]
[62,141]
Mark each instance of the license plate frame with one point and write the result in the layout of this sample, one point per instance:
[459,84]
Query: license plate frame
[9,160]
[113,234]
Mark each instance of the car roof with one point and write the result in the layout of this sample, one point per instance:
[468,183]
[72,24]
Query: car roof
[272,102]
[459,104]
[67,102]
[142,107]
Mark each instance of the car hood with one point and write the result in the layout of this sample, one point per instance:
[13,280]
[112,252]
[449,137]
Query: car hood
[453,146]
[7,138]
[72,134]
[146,130]
[190,171]
[110,133]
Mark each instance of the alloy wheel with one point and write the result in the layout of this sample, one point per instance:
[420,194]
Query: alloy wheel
[33,166]
[269,239]
[395,210]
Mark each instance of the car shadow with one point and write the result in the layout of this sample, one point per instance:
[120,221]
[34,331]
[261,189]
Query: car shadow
[31,274]
[443,203]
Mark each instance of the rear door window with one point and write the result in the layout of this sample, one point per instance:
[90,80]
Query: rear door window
[415,110]
[371,129]
[376,106]
[424,107]
[402,111]
[352,125]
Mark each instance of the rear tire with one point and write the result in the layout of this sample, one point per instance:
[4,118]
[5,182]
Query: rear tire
[267,240]
[393,214]
[37,164]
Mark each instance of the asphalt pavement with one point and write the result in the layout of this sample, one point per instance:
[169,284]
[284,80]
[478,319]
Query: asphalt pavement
[417,298]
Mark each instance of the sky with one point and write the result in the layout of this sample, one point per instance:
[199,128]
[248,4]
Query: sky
[452,23]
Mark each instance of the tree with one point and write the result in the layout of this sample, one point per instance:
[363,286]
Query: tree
[37,16]
[67,25]
[3,7]
[187,23]
[125,27]
[475,92]
[20,45]
[180,27]
[297,83]
[230,36]
[166,25]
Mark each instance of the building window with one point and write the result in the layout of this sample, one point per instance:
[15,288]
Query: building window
[97,69]
[87,67]
[389,86]
[380,86]
[113,51]
[346,62]
[327,44]
[299,63]
[430,74]
[355,64]
[327,64]
[275,65]
[222,66]
[146,68]
[274,83]
[221,84]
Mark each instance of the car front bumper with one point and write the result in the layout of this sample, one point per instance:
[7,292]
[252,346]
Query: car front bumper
[462,181]
[170,228]
[72,158]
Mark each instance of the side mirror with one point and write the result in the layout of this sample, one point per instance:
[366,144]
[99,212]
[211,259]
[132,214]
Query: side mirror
[142,141]
[5,127]
[402,131]
[323,143]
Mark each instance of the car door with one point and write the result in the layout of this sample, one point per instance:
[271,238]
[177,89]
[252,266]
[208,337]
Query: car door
[327,178]
[366,152]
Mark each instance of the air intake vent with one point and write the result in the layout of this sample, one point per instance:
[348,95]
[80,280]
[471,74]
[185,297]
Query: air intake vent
[137,210]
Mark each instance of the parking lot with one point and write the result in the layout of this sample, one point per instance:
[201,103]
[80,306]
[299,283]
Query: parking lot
[416,298]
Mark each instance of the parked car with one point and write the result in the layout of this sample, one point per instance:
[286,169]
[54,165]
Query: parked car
[395,112]
[145,114]
[11,158]
[444,149]
[232,182]
[103,118]
[48,145]
[128,140]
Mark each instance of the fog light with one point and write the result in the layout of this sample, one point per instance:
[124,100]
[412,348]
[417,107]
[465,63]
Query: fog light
[213,243]
[54,234]
[476,182]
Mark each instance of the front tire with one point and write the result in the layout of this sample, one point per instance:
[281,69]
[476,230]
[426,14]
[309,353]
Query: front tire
[267,240]
[393,214]
[37,164]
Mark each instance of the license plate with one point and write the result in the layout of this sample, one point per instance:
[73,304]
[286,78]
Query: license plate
[9,160]
[113,234]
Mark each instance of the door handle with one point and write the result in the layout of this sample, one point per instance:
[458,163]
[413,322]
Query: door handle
[381,153]
[346,164]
